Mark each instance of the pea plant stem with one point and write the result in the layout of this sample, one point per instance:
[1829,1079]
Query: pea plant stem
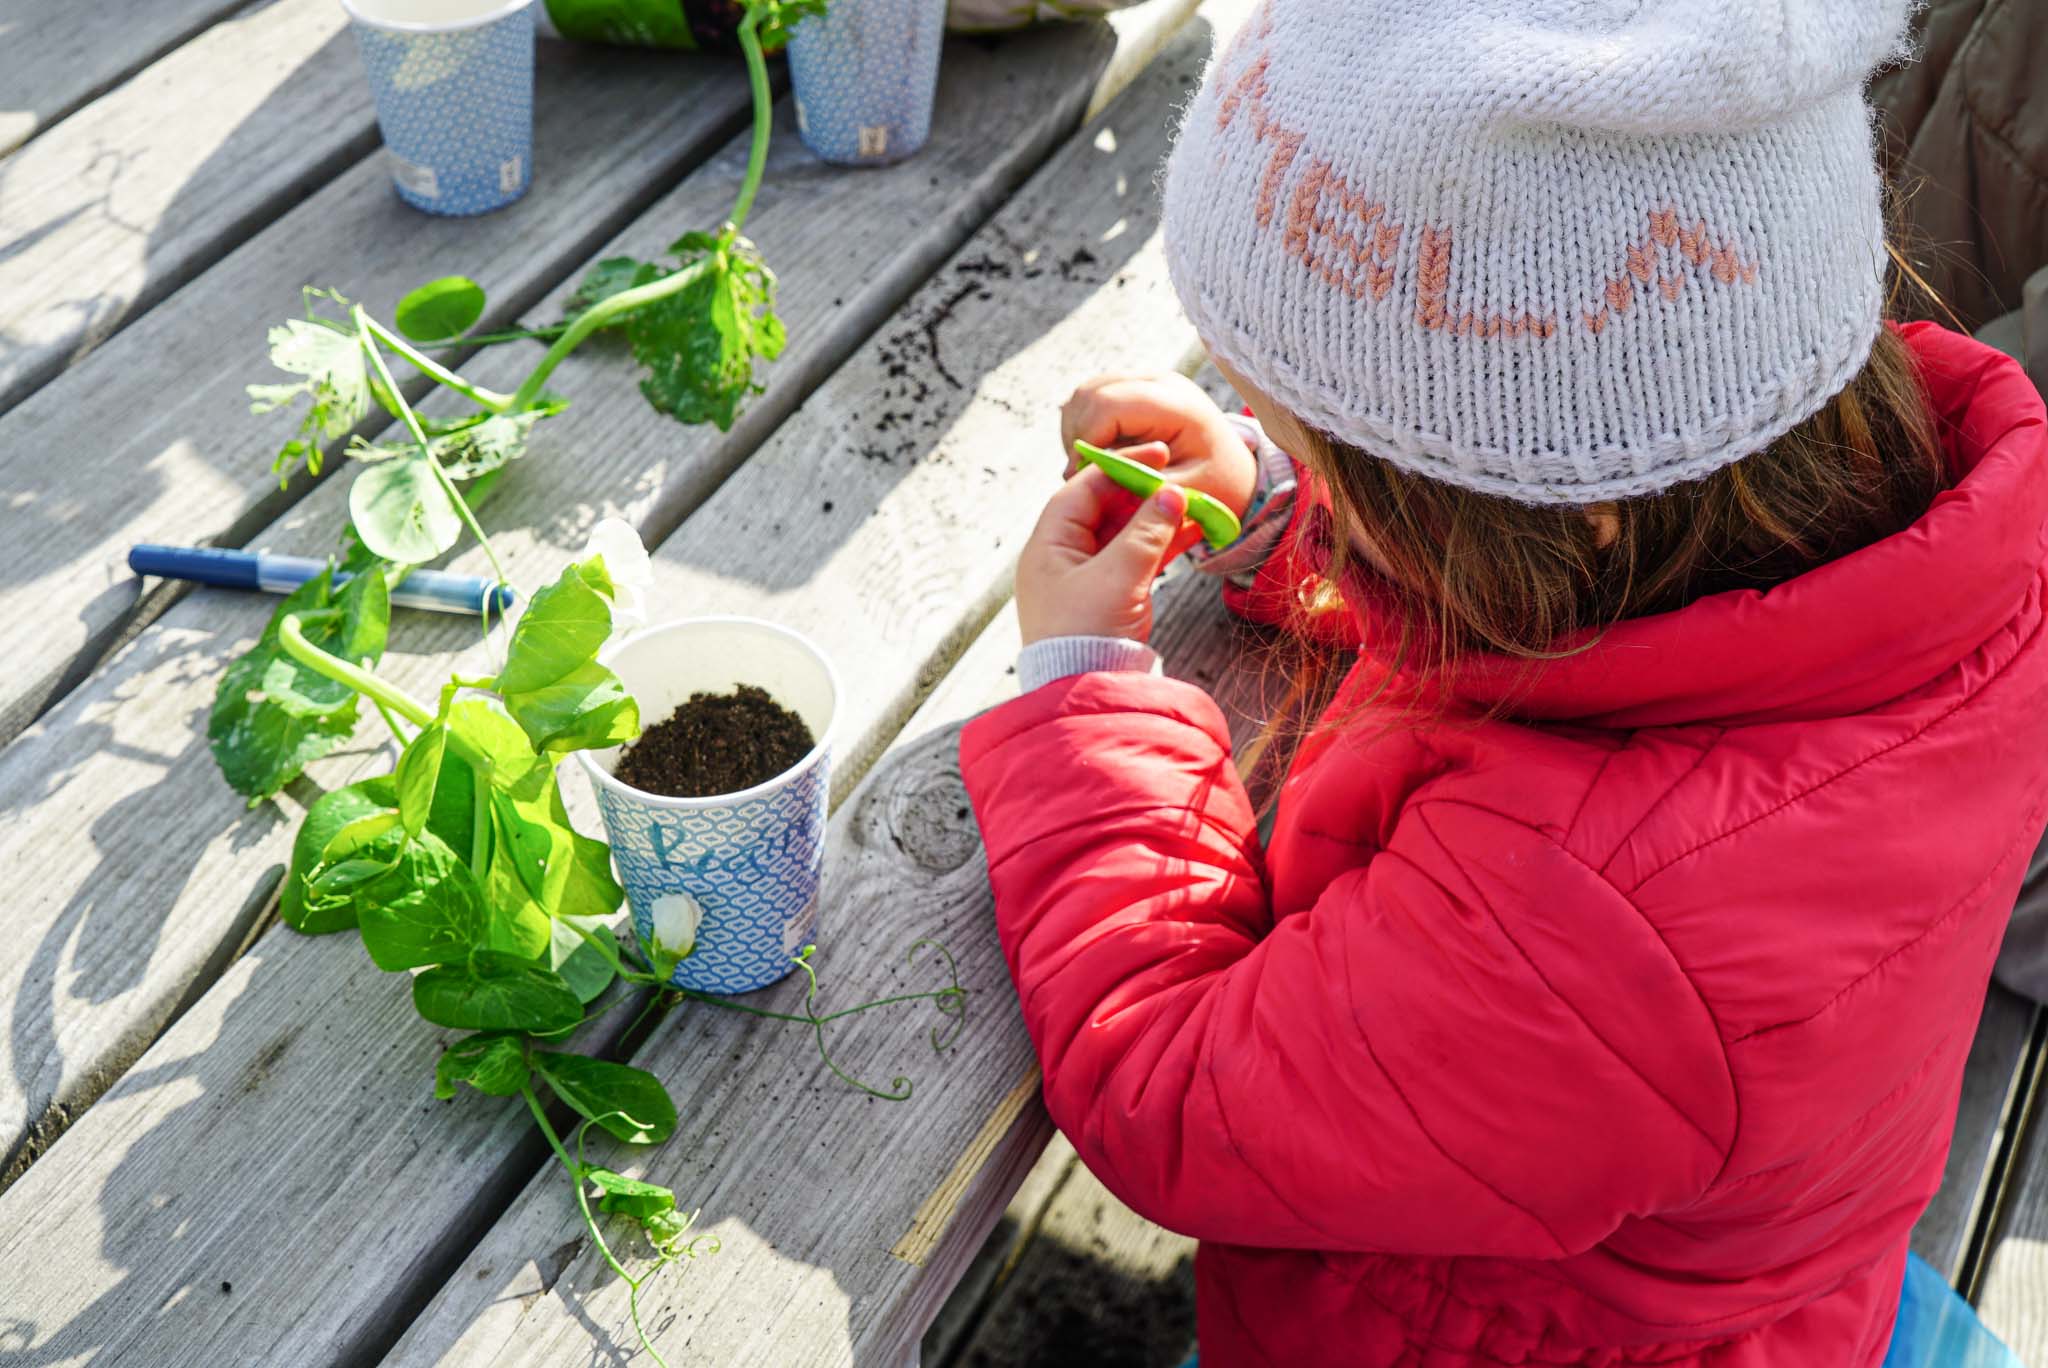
[598,316]
[413,425]
[362,681]
[764,117]
[431,368]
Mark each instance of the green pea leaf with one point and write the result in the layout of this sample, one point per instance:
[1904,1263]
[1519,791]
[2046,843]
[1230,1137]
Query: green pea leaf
[628,1102]
[491,991]
[700,344]
[561,630]
[586,709]
[335,385]
[323,821]
[582,965]
[402,512]
[426,909]
[486,445]
[262,739]
[492,1064]
[629,1197]
[419,773]
[590,890]
[440,309]
[484,725]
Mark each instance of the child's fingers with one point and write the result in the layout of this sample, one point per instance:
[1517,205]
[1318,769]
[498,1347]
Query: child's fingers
[1074,513]
[1140,549]
[1130,408]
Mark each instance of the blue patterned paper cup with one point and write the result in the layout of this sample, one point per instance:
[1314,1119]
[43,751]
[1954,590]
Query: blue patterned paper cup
[751,862]
[865,74]
[453,82]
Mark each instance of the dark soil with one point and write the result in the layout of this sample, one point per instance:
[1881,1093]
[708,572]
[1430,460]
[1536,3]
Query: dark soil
[716,744]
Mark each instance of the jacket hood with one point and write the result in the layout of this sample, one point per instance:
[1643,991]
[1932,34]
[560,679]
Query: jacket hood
[1848,635]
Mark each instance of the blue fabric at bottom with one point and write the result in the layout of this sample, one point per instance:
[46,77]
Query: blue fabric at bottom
[1938,1329]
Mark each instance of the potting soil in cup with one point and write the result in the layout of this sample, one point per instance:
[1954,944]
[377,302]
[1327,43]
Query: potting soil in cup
[715,744]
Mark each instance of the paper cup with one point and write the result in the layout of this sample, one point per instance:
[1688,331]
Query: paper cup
[865,74]
[453,82]
[752,860]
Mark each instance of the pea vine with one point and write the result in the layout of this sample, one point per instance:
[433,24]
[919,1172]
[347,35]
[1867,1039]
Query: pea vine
[700,324]
[459,866]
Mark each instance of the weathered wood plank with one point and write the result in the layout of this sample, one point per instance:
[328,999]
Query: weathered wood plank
[379,1243]
[2013,1287]
[127,199]
[1991,1083]
[845,1221]
[150,438]
[54,60]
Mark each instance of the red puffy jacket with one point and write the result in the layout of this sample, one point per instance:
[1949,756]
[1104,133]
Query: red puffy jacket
[1626,1032]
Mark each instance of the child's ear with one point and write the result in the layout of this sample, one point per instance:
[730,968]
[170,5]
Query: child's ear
[1606,521]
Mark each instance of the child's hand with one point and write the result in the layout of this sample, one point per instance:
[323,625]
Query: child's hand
[1082,575]
[1167,422]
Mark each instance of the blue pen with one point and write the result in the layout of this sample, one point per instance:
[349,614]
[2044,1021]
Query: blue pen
[437,590]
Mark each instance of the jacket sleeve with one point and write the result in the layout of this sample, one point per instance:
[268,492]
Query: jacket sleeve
[1469,1045]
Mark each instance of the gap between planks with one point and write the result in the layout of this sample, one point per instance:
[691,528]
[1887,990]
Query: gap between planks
[44,80]
[112,209]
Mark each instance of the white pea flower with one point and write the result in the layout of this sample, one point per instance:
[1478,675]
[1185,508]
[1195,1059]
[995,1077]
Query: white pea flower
[625,560]
[676,916]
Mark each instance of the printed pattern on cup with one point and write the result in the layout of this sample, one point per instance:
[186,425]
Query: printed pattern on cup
[456,111]
[753,867]
[865,74]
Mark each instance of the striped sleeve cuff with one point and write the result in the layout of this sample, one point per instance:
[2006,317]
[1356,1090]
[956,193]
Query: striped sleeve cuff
[1042,662]
[1265,520]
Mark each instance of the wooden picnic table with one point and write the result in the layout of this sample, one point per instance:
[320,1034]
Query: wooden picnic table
[218,1142]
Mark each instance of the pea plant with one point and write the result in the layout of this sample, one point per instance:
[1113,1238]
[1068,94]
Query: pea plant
[700,324]
[461,867]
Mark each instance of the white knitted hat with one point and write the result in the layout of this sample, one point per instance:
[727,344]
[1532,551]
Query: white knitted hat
[1558,250]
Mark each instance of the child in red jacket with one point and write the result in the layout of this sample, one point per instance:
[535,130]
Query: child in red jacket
[1603,991]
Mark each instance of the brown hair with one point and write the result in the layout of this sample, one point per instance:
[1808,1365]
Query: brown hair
[1460,574]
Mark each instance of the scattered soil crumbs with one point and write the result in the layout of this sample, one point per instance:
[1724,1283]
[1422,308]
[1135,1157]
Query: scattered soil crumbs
[913,399]
[717,744]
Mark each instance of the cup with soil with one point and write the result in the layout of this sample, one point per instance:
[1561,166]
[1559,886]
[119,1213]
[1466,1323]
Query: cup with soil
[721,801]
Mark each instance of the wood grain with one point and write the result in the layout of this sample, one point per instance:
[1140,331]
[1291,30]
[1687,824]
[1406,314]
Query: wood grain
[150,437]
[1992,1081]
[64,54]
[2012,1294]
[335,1286]
[134,194]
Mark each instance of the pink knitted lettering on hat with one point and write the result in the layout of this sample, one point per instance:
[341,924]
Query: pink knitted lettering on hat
[1557,250]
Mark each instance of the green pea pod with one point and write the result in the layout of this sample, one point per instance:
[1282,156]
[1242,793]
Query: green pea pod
[1219,525]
